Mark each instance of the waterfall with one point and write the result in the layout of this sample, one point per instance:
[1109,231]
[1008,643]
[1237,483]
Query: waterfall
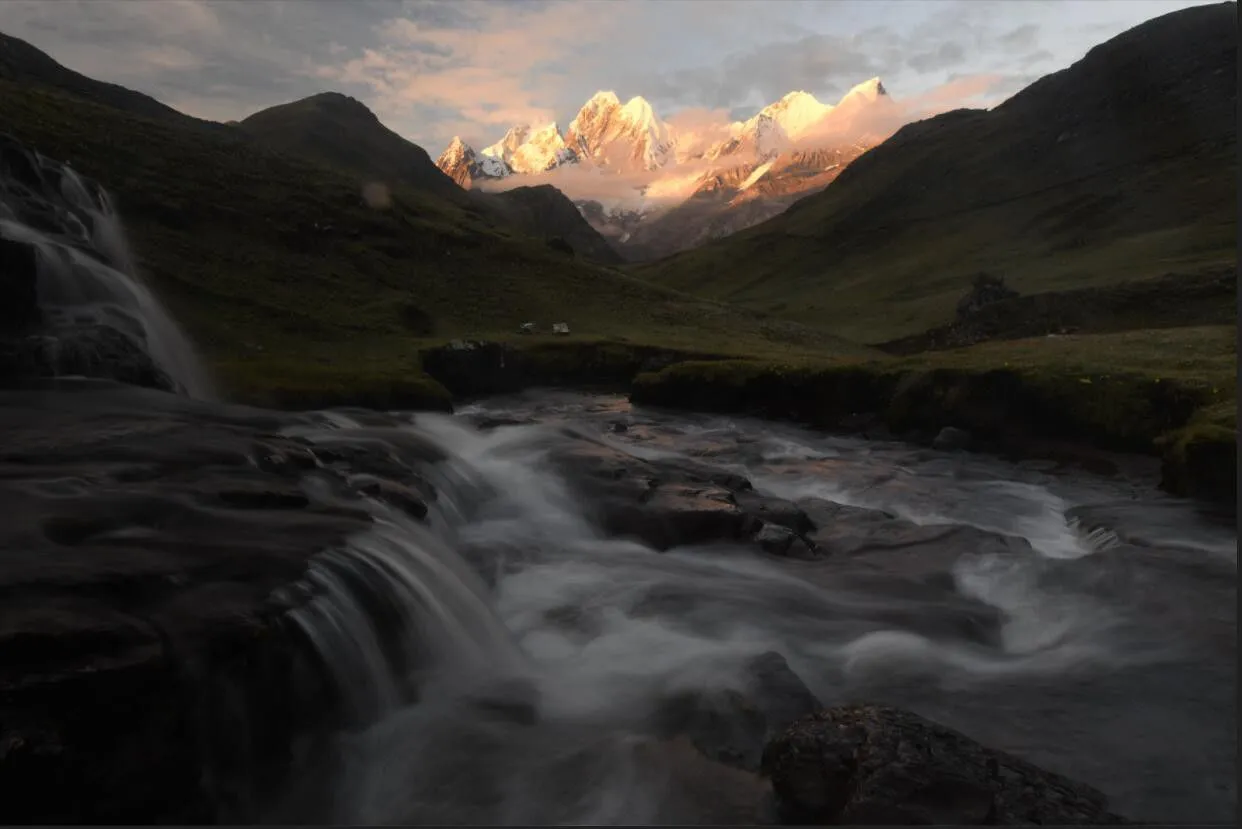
[87,290]
[399,601]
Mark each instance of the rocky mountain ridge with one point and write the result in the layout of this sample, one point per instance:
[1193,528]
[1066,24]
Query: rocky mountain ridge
[770,157]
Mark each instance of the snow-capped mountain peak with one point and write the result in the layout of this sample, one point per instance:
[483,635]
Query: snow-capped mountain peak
[630,137]
[507,146]
[461,163]
[869,90]
[638,110]
[456,148]
[620,137]
[603,98]
[795,113]
[542,150]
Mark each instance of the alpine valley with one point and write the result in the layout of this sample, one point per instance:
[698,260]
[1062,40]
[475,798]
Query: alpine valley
[654,187]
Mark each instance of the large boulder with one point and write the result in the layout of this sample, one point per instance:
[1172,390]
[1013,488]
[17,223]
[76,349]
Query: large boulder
[872,765]
[985,289]
[669,503]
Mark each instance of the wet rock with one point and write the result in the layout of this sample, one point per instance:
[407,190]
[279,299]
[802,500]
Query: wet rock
[663,504]
[876,765]
[885,539]
[264,497]
[392,493]
[19,296]
[513,700]
[284,457]
[620,428]
[783,542]
[145,662]
[731,726]
[775,539]
[775,511]
[85,350]
[951,439]
[487,422]
[677,515]
[682,470]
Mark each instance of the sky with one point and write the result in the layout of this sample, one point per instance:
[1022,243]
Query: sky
[432,69]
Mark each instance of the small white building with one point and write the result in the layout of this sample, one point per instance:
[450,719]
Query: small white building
[560,328]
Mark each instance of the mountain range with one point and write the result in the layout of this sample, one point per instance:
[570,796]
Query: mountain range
[310,251]
[1122,166]
[673,188]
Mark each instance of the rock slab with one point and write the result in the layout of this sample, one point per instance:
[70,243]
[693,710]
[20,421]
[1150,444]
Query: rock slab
[871,765]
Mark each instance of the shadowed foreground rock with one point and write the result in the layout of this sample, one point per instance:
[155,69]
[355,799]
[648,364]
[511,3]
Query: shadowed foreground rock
[148,671]
[877,765]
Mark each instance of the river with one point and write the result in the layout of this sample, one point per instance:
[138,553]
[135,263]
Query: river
[1112,659]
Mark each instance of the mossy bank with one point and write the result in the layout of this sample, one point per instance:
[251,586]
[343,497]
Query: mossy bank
[1167,392]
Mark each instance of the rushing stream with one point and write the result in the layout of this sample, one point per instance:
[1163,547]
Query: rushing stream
[1112,662]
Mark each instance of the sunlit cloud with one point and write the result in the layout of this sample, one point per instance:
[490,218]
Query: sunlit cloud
[433,69]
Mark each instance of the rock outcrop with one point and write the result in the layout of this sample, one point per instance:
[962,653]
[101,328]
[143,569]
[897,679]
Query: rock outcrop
[673,503]
[65,310]
[869,765]
[152,550]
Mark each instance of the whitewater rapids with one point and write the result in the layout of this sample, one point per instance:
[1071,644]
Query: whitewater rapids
[1112,663]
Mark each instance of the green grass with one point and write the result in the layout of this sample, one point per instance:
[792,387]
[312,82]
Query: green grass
[1132,391]
[913,280]
[224,229]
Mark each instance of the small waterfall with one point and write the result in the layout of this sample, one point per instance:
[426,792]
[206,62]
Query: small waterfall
[87,288]
[399,601]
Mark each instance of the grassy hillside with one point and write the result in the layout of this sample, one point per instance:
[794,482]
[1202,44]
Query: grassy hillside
[340,132]
[1122,166]
[22,63]
[283,272]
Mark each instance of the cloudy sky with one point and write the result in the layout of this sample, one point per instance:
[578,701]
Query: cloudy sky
[432,69]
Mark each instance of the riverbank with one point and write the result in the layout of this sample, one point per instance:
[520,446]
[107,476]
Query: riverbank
[1168,393]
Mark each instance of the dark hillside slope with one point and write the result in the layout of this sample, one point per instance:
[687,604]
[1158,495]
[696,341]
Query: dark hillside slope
[341,132]
[284,274]
[546,213]
[1122,166]
[24,64]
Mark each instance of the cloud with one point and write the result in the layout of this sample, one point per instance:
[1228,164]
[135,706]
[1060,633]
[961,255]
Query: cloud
[698,128]
[948,54]
[497,63]
[431,69]
[582,182]
[1023,37]
[214,60]
[824,65]
[1041,56]
[879,121]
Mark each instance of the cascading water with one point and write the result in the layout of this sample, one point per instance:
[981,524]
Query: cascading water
[532,700]
[85,276]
